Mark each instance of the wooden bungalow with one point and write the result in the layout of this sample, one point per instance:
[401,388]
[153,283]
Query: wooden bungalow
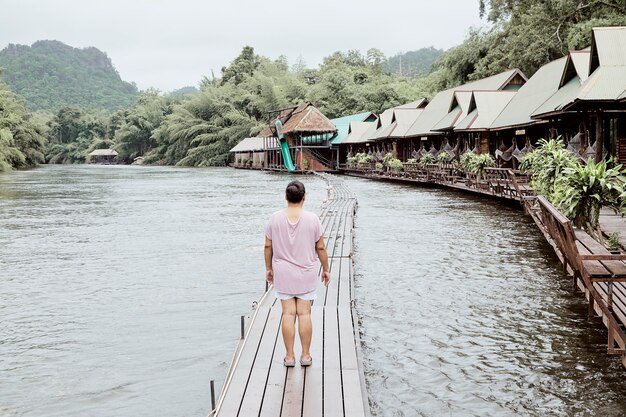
[433,129]
[592,96]
[346,126]
[514,131]
[104,156]
[249,153]
[483,108]
[382,135]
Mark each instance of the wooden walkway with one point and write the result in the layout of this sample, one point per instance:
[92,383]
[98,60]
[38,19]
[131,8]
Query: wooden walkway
[258,384]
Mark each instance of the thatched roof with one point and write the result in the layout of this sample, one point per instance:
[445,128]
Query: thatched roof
[304,119]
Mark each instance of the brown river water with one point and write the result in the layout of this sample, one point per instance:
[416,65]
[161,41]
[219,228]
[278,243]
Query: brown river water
[121,290]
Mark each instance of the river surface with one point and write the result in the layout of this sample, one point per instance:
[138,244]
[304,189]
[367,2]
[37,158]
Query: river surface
[121,290]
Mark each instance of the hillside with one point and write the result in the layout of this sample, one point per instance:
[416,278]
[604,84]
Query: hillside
[50,75]
[414,64]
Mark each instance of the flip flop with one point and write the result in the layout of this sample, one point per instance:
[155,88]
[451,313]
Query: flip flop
[289,364]
[306,362]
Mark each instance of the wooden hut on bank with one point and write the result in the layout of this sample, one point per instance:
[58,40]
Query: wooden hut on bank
[103,156]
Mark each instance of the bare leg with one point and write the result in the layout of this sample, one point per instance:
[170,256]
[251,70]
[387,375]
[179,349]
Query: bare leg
[305,327]
[289,326]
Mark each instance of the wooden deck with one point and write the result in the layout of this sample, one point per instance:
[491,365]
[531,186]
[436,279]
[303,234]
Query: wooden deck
[258,384]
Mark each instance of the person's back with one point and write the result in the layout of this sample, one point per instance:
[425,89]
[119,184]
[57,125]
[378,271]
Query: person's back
[294,256]
[293,242]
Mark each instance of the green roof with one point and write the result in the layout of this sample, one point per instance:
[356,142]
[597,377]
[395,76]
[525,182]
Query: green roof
[343,124]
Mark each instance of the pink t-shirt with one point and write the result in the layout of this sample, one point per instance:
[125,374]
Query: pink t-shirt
[295,260]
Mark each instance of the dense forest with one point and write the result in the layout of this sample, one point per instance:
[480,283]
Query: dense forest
[414,64]
[50,75]
[197,128]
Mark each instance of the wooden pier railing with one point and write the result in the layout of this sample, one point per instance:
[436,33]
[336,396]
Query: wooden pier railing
[597,273]
[502,183]
[600,275]
[258,384]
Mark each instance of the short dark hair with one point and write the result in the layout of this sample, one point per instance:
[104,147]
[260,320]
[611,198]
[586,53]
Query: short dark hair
[295,192]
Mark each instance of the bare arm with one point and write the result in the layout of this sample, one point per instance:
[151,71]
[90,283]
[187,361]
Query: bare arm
[269,273]
[320,248]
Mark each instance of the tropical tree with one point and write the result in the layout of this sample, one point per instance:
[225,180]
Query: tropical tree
[21,138]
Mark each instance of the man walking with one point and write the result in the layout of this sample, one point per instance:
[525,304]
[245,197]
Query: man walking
[293,242]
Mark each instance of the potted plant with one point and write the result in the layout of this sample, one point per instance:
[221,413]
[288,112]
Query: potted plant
[480,162]
[581,191]
[395,165]
[444,158]
[426,159]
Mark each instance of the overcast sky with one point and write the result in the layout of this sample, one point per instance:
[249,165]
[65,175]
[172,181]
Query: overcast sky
[171,44]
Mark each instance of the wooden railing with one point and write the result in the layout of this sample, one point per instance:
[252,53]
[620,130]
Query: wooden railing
[593,268]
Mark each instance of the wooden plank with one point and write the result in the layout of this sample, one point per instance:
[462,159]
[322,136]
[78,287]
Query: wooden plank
[275,385]
[294,391]
[594,268]
[332,388]
[345,298]
[313,374]
[332,291]
[346,338]
[253,396]
[239,380]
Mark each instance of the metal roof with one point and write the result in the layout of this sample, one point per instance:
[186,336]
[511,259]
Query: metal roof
[458,110]
[404,119]
[357,130]
[249,145]
[417,104]
[543,84]
[440,105]
[580,59]
[610,43]
[564,95]
[607,81]
[343,124]
[370,134]
[484,107]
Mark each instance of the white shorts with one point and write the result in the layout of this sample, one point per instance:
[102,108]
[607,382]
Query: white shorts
[309,296]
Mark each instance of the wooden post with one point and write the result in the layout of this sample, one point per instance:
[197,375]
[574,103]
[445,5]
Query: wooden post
[395,149]
[212,395]
[599,136]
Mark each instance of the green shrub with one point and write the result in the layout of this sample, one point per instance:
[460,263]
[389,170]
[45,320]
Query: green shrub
[395,165]
[444,158]
[388,158]
[582,190]
[465,162]
[480,162]
[547,164]
[426,159]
